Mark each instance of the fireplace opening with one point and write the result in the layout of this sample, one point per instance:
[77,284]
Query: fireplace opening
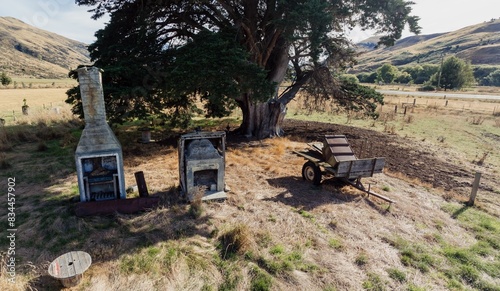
[205,179]
[100,177]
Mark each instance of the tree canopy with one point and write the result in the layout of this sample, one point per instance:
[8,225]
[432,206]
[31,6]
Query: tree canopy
[5,79]
[455,74]
[164,54]
[387,73]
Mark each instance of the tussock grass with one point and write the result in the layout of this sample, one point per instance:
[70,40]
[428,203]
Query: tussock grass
[196,206]
[4,163]
[235,241]
[274,231]
[261,280]
[397,275]
[374,282]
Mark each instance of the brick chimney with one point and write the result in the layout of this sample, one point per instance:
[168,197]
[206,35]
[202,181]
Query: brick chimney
[98,156]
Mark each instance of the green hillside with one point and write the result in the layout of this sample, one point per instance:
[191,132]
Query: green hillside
[479,44]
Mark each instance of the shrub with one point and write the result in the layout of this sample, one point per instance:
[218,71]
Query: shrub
[350,78]
[427,88]
[4,79]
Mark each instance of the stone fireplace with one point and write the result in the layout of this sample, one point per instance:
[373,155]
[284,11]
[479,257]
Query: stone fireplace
[98,156]
[202,165]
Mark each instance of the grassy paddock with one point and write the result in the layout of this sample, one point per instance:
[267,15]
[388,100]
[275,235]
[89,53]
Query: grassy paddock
[468,127]
[40,101]
[265,236]
[31,83]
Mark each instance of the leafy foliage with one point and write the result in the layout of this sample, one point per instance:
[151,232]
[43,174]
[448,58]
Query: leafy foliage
[455,74]
[421,73]
[229,53]
[4,79]
[348,94]
[494,78]
[387,73]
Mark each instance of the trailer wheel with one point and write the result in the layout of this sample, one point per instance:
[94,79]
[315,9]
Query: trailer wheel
[311,173]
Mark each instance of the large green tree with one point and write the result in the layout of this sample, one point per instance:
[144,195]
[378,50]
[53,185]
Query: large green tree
[455,74]
[494,78]
[180,48]
[387,73]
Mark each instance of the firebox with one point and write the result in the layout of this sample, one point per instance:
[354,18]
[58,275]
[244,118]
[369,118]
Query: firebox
[98,156]
[202,165]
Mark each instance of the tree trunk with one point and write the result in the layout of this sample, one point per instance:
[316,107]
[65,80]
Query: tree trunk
[262,119]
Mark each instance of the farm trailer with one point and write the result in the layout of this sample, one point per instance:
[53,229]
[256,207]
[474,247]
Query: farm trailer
[335,157]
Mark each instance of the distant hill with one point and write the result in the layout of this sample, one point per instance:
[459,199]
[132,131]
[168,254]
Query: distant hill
[479,44]
[27,51]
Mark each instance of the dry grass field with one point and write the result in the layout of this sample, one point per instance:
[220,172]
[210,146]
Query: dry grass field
[40,101]
[275,231]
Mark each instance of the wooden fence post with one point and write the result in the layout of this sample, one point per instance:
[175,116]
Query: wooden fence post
[475,186]
[141,184]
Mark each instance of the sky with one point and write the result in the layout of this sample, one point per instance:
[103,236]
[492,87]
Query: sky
[66,18]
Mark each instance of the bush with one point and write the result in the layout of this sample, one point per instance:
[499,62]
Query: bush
[349,77]
[4,79]
[427,88]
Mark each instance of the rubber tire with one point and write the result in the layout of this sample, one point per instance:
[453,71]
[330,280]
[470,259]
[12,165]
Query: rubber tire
[312,173]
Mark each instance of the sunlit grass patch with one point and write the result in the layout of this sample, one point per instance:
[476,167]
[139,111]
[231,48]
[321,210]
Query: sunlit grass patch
[414,255]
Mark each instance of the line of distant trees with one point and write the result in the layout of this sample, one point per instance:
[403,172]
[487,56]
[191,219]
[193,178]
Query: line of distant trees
[454,73]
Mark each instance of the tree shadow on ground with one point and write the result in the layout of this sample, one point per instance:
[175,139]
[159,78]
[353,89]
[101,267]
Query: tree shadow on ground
[304,195]
[301,194]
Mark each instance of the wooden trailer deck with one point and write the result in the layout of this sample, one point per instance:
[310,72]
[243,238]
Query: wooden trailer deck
[336,157]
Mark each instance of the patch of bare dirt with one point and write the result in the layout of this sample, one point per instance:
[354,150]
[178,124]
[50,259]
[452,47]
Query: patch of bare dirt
[415,159]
